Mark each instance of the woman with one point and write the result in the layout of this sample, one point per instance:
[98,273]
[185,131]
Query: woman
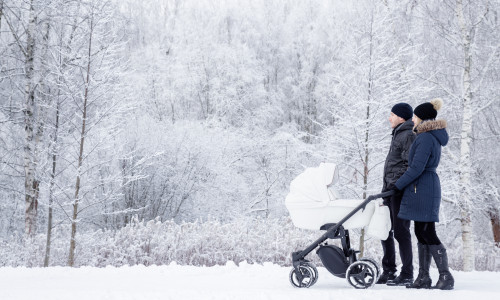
[422,193]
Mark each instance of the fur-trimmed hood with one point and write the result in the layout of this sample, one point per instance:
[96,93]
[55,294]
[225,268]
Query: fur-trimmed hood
[431,125]
[435,127]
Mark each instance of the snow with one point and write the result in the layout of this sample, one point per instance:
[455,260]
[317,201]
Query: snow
[246,281]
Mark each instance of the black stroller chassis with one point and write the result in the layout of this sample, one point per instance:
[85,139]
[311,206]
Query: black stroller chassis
[361,274]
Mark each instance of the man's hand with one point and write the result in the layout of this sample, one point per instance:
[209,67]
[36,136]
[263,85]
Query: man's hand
[397,192]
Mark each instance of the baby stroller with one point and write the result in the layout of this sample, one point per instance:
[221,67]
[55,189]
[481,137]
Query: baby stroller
[314,203]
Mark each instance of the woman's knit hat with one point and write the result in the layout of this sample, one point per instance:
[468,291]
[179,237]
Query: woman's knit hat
[428,110]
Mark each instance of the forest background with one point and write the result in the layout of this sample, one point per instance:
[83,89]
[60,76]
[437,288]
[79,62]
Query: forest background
[146,132]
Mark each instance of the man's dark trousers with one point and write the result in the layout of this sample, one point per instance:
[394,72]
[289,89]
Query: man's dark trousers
[401,231]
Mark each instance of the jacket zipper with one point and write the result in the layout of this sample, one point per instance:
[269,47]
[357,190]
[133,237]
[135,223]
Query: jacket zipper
[415,188]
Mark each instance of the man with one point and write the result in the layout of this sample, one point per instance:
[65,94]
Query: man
[395,165]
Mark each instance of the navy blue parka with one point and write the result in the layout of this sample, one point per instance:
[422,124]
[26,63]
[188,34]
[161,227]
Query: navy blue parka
[420,183]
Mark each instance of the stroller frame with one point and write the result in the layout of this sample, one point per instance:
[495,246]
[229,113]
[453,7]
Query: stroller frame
[340,262]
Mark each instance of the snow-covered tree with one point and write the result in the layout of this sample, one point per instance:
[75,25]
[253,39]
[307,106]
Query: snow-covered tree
[465,50]
[231,100]
[97,109]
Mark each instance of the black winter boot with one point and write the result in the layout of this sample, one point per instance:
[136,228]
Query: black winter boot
[402,279]
[423,280]
[386,275]
[446,281]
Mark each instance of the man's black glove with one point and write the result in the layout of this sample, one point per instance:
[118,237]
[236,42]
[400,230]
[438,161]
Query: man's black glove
[397,192]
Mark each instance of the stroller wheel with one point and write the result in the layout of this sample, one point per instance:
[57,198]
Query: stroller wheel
[361,274]
[375,265]
[306,276]
[314,273]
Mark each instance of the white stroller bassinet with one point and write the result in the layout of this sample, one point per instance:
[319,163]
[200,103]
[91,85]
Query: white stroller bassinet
[314,201]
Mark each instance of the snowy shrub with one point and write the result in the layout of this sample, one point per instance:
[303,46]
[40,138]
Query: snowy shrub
[199,243]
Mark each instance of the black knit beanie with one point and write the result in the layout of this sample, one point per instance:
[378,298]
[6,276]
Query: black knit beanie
[428,110]
[403,110]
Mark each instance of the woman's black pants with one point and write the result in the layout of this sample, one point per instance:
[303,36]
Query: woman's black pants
[426,233]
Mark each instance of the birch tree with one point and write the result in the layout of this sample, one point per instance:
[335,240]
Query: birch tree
[465,165]
[460,25]
[63,28]
[22,22]
[95,57]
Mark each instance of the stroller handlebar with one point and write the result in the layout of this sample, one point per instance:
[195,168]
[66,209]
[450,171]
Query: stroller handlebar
[381,195]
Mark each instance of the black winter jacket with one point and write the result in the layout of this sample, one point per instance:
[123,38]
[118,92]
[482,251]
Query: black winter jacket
[396,162]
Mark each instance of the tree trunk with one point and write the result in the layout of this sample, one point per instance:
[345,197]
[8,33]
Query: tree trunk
[71,258]
[494,215]
[365,179]
[366,170]
[31,184]
[63,63]
[51,190]
[40,131]
[1,14]
[465,166]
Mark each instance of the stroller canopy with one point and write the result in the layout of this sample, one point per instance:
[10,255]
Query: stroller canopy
[314,187]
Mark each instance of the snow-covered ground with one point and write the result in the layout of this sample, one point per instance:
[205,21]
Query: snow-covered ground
[246,281]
